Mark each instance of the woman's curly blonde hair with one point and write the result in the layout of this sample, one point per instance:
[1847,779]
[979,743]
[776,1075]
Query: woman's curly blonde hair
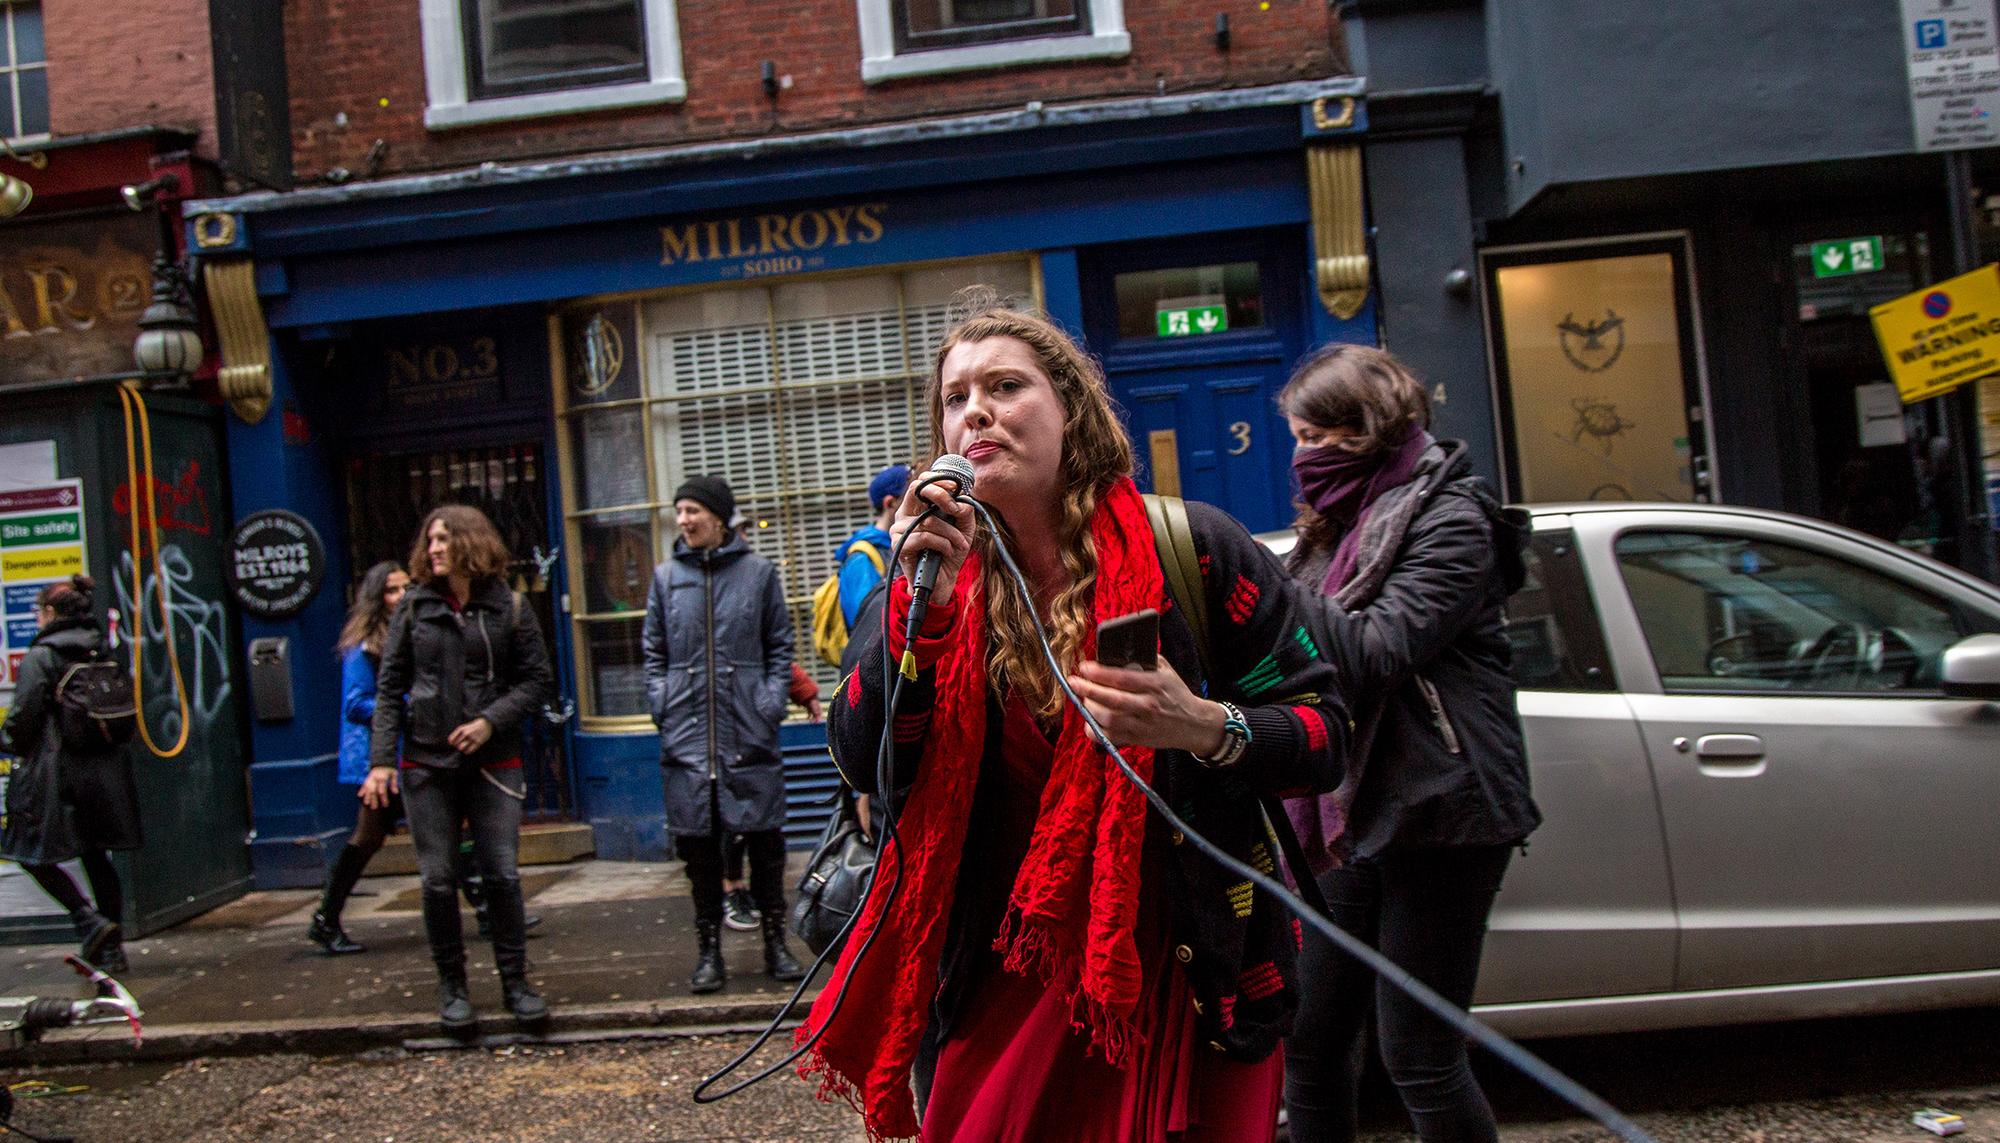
[1095,453]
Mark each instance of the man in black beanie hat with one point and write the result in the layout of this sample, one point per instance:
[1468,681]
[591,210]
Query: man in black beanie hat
[711,492]
[718,651]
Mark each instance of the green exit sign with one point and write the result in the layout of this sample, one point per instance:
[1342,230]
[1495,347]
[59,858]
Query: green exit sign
[1844,256]
[1193,321]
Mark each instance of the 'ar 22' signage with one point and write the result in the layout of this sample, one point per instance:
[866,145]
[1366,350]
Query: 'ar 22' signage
[778,243]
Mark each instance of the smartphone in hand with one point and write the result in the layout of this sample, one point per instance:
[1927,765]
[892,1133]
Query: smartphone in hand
[1130,641]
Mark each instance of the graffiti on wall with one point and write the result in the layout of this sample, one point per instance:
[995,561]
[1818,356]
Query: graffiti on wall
[180,506]
[201,639]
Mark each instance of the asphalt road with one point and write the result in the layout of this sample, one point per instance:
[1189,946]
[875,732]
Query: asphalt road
[1854,1081]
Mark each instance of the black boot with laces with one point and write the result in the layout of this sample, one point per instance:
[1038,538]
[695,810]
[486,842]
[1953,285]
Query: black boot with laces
[778,961]
[709,973]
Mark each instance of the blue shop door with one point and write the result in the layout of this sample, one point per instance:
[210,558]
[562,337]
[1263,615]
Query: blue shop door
[1197,337]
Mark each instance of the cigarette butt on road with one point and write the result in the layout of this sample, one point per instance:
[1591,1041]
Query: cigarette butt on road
[1938,1122]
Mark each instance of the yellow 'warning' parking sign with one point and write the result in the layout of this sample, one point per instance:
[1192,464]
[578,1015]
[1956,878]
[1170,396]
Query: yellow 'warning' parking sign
[1942,336]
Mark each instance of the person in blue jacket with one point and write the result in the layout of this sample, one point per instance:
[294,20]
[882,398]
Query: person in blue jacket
[360,651]
[859,575]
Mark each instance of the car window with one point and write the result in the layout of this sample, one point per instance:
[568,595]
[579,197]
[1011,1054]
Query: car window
[1736,614]
[1552,627]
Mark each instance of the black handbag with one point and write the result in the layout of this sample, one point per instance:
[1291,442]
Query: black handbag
[836,879]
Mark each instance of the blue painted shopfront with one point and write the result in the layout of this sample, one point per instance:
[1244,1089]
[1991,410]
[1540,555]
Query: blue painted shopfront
[464,261]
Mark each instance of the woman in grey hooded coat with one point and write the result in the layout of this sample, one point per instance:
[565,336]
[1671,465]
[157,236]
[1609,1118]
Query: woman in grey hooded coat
[718,652]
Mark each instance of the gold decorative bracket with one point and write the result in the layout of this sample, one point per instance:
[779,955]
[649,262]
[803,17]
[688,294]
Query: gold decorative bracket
[1333,113]
[246,341]
[1339,222]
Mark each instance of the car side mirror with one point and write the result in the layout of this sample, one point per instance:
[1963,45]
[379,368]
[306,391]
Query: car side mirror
[1971,668]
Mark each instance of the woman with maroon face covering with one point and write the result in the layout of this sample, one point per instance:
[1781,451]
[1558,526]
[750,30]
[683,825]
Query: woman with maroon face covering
[1409,555]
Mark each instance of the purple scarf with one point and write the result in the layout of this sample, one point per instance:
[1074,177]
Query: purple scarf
[1343,488]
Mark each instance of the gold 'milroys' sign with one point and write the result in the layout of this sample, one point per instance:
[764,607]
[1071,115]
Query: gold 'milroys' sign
[1941,336]
[778,238]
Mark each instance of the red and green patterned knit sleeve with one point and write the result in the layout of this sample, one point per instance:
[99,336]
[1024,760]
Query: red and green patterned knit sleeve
[1266,661]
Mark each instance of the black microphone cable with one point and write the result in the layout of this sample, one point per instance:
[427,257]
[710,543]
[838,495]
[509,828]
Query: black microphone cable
[1529,1064]
[892,690]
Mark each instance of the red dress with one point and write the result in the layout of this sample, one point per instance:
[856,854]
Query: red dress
[1015,1070]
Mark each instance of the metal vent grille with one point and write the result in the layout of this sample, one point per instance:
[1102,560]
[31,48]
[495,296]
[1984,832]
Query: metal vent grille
[797,394]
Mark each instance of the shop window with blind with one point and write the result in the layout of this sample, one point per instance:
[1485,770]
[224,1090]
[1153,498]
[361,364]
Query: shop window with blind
[796,393]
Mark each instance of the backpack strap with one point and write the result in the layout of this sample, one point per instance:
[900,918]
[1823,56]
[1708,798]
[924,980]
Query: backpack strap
[1174,539]
[866,549]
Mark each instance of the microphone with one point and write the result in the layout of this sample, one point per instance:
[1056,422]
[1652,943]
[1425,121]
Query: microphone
[956,470]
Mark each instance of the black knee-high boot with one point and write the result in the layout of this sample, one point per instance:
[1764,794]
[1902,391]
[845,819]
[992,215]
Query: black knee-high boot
[447,942]
[510,950]
[325,930]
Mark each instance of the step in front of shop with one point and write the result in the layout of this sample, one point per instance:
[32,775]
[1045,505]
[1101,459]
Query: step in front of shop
[542,843]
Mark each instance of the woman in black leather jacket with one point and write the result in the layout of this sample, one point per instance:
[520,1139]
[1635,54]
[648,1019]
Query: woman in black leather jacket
[462,665]
[1412,557]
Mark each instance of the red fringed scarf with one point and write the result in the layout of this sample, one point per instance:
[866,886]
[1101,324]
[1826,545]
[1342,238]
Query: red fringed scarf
[1075,903]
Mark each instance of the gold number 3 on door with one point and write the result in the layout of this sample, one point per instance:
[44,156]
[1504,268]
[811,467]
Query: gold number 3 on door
[1241,431]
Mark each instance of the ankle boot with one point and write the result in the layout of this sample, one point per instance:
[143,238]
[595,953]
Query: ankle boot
[709,973]
[455,1012]
[94,931]
[523,1001]
[778,962]
[113,960]
[328,935]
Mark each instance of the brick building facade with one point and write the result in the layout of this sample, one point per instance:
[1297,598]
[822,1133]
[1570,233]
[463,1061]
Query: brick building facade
[150,66]
[721,242]
[363,78]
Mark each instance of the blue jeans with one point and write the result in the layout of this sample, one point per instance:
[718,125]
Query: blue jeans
[1426,910]
[438,803]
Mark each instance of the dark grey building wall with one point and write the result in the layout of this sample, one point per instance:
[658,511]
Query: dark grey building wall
[1404,45]
[1605,89]
[1423,231]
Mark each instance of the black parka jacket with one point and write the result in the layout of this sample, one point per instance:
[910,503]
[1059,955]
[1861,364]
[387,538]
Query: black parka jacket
[1447,765]
[62,799]
[443,667]
[718,651]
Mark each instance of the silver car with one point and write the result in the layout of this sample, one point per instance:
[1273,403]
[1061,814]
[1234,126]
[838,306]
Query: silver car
[1768,754]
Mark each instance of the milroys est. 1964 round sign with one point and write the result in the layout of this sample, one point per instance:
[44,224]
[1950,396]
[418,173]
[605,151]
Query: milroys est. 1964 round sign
[276,563]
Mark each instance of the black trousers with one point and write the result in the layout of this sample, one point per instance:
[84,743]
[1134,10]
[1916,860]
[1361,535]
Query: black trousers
[704,856]
[104,885]
[1426,910]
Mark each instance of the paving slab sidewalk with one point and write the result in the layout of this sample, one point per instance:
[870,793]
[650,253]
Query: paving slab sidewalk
[614,950]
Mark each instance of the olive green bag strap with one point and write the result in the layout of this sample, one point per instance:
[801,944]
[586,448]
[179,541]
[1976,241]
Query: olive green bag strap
[1175,541]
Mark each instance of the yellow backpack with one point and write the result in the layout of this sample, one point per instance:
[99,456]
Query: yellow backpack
[829,621]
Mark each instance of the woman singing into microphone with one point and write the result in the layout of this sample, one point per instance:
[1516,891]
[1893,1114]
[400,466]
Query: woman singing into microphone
[1073,968]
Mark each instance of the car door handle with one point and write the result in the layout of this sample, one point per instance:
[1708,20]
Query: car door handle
[1725,747]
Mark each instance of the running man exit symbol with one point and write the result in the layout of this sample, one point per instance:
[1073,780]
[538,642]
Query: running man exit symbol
[1193,320]
[1843,256]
